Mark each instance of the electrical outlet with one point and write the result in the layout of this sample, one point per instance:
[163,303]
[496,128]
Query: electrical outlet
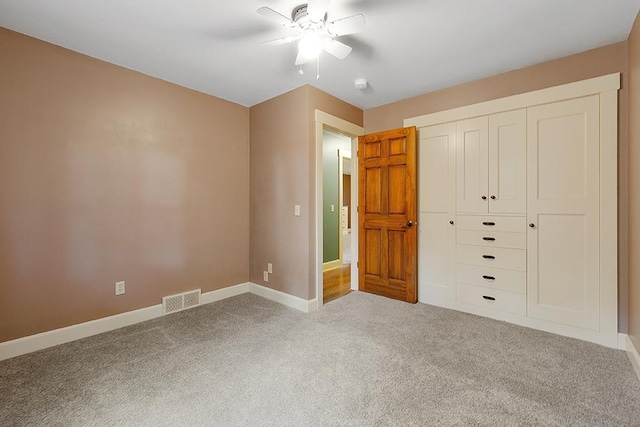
[120,288]
[270,268]
[265,276]
[296,210]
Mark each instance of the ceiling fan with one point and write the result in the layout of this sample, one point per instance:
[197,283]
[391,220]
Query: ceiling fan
[314,33]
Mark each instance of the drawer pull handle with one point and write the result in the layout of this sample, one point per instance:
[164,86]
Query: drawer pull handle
[489,239]
[488,298]
[488,257]
[488,278]
[489,223]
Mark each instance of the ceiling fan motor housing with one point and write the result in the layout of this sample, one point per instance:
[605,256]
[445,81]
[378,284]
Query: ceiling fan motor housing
[301,17]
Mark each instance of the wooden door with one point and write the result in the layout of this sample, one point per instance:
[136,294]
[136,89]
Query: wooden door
[508,162]
[437,204]
[387,214]
[472,165]
[563,212]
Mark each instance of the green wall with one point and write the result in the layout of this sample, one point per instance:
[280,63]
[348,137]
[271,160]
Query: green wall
[332,145]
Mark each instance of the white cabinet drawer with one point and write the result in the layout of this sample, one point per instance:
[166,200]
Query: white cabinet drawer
[510,259]
[511,224]
[492,238]
[492,298]
[491,277]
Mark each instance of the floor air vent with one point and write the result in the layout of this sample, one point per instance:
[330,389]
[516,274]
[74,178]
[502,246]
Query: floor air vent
[180,302]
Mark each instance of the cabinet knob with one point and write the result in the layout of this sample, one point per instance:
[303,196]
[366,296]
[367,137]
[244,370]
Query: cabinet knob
[451,222]
[484,197]
[493,197]
[532,225]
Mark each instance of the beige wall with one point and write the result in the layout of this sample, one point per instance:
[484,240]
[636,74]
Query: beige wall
[634,184]
[597,62]
[279,180]
[107,175]
[283,175]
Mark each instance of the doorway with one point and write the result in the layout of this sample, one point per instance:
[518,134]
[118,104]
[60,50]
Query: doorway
[337,259]
[336,184]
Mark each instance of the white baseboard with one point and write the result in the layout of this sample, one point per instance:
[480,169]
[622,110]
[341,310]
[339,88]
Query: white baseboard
[331,265]
[634,356]
[48,339]
[224,293]
[622,341]
[303,305]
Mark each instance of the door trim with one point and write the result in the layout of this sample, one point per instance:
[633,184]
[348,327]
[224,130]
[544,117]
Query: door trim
[353,131]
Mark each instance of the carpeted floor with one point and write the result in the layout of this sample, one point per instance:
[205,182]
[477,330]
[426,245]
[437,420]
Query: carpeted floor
[362,360]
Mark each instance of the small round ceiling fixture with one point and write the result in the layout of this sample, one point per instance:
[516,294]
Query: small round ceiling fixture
[361,84]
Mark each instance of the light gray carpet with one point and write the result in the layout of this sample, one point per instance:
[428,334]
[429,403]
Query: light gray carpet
[362,360]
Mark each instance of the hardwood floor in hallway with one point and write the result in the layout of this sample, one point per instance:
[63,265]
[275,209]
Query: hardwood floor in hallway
[336,283]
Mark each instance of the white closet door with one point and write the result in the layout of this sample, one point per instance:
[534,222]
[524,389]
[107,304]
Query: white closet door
[563,212]
[436,239]
[472,165]
[508,162]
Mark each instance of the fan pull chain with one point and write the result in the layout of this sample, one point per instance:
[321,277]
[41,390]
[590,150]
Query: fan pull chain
[318,68]
[301,71]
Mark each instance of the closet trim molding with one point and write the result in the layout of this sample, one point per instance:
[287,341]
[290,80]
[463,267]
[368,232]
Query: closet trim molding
[593,86]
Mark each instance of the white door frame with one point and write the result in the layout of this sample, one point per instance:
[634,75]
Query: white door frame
[324,122]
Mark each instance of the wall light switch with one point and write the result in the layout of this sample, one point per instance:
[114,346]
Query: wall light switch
[270,268]
[265,276]
[333,208]
[296,210]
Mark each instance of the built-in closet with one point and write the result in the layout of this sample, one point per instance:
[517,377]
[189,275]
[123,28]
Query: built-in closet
[518,209]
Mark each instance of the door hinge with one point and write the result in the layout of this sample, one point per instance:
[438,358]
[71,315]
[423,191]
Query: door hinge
[358,264]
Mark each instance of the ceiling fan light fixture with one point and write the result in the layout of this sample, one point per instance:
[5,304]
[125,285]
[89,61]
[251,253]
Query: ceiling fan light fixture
[310,45]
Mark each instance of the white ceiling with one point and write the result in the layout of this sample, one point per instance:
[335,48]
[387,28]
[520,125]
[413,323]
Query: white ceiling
[409,47]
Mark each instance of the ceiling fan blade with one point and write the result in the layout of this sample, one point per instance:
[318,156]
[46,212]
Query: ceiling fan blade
[269,13]
[317,9]
[283,40]
[348,25]
[303,59]
[337,49]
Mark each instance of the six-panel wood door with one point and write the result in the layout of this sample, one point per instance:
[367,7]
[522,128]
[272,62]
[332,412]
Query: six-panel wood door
[563,272]
[387,214]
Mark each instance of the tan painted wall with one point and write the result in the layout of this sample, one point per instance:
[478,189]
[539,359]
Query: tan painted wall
[107,175]
[279,180]
[634,184]
[597,62]
[283,175]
